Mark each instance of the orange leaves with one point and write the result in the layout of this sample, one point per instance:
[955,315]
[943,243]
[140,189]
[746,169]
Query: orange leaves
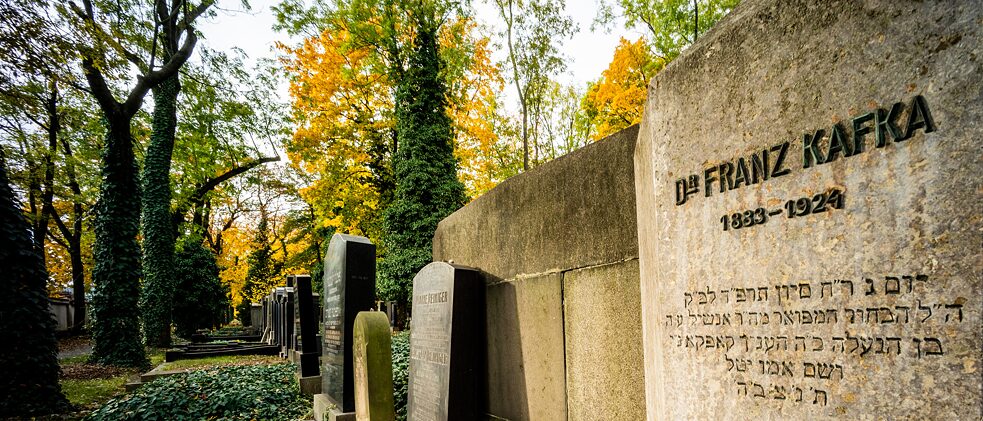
[617,99]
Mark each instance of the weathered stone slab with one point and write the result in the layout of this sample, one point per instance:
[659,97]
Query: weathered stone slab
[525,379]
[603,326]
[808,190]
[372,350]
[551,218]
[446,344]
[349,287]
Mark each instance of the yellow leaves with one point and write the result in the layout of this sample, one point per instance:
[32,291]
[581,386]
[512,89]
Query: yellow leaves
[617,99]
[472,105]
[234,260]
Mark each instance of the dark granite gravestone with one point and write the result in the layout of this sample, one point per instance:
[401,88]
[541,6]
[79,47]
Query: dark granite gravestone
[309,364]
[277,333]
[349,287]
[446,343]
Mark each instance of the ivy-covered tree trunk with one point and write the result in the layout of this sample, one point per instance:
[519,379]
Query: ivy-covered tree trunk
[29,356]
[158,236]
[427,188]
[116,274]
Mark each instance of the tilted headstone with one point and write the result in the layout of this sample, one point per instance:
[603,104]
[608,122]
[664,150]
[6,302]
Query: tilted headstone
[446,344]
[349,287]
[309,357]
[808,198]
[373,365]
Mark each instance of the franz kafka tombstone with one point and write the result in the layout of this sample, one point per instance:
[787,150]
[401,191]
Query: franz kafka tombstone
[349,287]
[809,186]
[446,344]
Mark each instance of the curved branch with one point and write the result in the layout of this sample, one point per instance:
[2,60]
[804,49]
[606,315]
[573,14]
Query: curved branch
[198,197]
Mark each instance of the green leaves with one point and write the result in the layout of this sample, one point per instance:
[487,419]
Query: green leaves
[401,372]
[200,298]
[260,392]
[427,188]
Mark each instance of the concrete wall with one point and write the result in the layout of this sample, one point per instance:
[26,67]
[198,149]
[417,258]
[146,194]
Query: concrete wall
[63,312]
[558,252]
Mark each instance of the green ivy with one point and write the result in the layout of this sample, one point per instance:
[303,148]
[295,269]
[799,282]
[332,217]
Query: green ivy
[117,270]
[427,188]
[158,231]
[257,392]
[200,298]
[401,372]
[29,355]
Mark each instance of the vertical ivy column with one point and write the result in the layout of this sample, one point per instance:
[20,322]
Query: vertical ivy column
[158,232]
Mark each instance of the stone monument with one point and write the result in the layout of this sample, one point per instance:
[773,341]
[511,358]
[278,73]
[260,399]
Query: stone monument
[308,358]
[349,287]
[446,344]
[808,197]
[373,365]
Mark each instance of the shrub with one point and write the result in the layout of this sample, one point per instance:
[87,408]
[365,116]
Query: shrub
[260,392]
[201,299]
[401,372]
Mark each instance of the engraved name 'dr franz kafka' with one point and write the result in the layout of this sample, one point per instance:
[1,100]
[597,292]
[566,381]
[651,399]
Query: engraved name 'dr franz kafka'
[817,150]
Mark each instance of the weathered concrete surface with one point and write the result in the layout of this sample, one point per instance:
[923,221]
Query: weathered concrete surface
[604,342]
[525,349]
[526,236]
[573,212]
[771,72]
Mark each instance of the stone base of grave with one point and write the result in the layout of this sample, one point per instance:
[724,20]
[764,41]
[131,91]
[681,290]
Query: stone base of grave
[325,410]
[310,386]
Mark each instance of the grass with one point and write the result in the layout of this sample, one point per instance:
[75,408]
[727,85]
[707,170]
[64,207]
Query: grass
[226,360]
[92,392]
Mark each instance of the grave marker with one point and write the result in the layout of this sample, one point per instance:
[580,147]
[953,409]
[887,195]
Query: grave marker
[349,287]
[446,344]
[373,365]
[808,198]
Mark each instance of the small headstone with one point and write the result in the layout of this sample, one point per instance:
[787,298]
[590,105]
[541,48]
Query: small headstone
[373,364]
[446,343]
[349,287]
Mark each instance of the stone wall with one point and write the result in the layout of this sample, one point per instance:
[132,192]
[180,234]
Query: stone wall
[842,278]
[558,252]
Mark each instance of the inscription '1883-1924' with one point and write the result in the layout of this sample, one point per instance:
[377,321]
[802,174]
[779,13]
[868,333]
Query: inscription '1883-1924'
[818,147]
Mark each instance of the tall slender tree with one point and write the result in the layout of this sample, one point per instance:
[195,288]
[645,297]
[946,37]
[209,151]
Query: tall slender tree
[117,272]
[29,385]
[427,187]
[159,238]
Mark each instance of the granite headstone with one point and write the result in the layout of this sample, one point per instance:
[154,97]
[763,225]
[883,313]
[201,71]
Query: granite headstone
[446,344]
[349,287]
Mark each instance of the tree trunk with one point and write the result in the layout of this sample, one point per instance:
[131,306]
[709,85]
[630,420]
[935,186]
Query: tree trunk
[117,271]
[74,240]
[158,236]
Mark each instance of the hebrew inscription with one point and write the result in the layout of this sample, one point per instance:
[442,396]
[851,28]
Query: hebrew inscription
[794,361]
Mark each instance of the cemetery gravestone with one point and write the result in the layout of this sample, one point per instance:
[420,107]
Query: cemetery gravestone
[309,357]
[446,344]
[808,197]
[373,365]
[349,287]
